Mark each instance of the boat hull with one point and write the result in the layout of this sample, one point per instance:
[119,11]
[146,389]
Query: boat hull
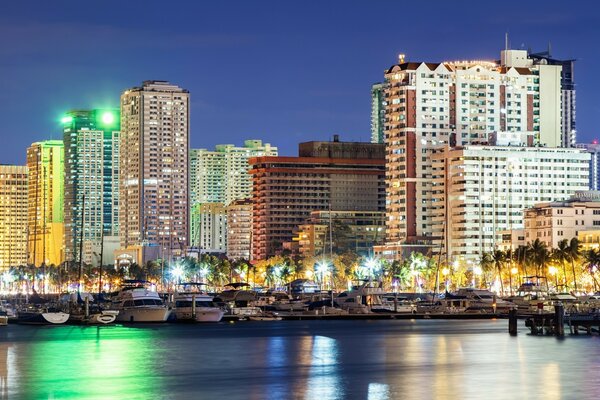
[43,318]
[3,320]
[202,314]
[143,314]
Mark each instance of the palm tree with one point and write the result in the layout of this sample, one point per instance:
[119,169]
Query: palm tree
[499,258]
[574,255]
[562,255]
[539,255]
[592,259]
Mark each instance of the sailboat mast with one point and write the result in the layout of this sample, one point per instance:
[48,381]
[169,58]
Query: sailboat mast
[81,241]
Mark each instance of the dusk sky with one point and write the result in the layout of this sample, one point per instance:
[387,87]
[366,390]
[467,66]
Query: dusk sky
[280,71]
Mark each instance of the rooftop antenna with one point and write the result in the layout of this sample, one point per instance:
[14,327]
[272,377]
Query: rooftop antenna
[505,40]
[549,49]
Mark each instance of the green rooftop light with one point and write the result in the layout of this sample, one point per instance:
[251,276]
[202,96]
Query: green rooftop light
[108,118]
[67,119]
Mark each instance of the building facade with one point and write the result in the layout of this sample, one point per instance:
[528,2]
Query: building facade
[212,227]
[239,229]
[433,105]
[594,150]
[481,191]
[153,169]
[568,95]
[287,189]
[559,220]
[13,215]
[356,231]
[377,113]
[91,139]
[45,164]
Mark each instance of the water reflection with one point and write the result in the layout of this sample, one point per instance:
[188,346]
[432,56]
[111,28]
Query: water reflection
[304,360]
[89,362]
[324,382]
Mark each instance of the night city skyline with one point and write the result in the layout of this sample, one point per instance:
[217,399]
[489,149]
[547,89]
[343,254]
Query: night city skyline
[290,73]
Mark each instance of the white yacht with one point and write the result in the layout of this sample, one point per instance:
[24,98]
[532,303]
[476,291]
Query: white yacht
[138,302]
[481,300]
[192,303]
[361,299]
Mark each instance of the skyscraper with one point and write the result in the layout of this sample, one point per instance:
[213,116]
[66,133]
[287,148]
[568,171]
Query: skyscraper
[45,163]
[153,187]
[13,215]
[568,94]
[377,113]
[91,139]
[594,150]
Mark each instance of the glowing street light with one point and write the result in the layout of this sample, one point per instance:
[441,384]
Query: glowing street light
[177,272]
[321,269]
[552,270]
[477,271]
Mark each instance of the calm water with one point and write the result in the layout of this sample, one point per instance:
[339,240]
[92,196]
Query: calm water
[321,360]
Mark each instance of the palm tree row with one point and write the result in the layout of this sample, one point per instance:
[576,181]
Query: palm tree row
[567,264]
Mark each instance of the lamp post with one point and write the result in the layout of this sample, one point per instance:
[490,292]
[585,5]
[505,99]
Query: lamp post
[554,272]
[445,272]
[477,273]
[322,268]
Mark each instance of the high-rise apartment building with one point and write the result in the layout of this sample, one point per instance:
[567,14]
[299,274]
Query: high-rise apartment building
[433,105]
[568,95]
[212,227]
[479,192]
[13,215]
[239,229]
[377,113]
[594,150]
[153,176]
[287,189]
[91,139]
[45,164]
[221,176]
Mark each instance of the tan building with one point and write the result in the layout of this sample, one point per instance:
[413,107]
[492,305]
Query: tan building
[552,222]
[212,229]
[239,229]
[356,231]
[153,180]
[13,215]
[287,189]
[45,163]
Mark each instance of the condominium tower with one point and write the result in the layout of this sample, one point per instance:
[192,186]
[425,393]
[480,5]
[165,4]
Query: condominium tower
[13,215]
[153,186]
[91,139]
[377,113]
[221,176]
[479,192]
[45,163]
[431,106]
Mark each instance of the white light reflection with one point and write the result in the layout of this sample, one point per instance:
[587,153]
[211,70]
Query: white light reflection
[324,382]
[378,391]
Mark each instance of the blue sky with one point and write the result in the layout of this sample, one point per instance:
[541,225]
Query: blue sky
[280,71]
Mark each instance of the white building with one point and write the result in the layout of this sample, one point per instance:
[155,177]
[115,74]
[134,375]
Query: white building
[432,105]
[153,203]
[555,221]
[212,227]
[481,191]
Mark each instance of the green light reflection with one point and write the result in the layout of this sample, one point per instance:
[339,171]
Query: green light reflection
[92,362]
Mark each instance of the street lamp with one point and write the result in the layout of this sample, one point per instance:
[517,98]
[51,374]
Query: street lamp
[513,271]
[177,272]
[322,268]
[445,272]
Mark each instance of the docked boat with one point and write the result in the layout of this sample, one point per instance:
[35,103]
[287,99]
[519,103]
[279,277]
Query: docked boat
[43,315]
[194,304]
[532,296]
[137,302]
[481,300]
[238,302]
[3,317]
[84,310]
[361,298]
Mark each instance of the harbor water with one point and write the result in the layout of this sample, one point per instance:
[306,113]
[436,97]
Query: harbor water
[390,359]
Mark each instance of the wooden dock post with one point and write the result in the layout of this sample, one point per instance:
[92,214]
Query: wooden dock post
[194,307]
[559,322]
[512,321]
